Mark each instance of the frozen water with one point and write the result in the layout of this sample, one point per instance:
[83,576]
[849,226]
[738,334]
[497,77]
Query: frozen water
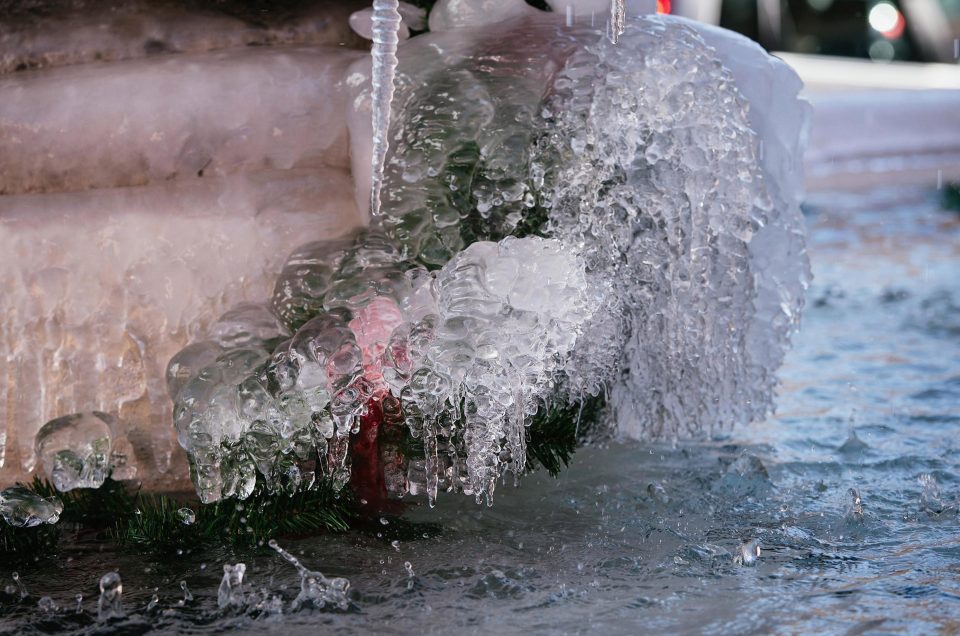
[75,450]
[670,215]
[617,20]
[411,18]
[149,121]
[385,28]
[110,603]
[571,218]
[23,508]
[46,34]
[92,329]
[455,14]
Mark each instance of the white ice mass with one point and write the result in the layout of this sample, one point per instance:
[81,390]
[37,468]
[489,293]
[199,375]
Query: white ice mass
[562,217]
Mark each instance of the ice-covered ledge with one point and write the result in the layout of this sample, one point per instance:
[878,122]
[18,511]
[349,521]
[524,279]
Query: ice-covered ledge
[142,293]
[155,170]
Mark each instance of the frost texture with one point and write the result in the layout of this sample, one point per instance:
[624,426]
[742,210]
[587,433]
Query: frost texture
[593,219]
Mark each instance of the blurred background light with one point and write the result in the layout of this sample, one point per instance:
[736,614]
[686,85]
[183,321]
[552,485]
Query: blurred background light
[887,20]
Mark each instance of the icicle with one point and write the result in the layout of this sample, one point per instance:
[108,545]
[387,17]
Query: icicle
[386,25]
[617,18]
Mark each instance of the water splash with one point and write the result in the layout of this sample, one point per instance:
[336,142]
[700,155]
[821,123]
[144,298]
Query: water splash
[747,553]
[21,588]
[932,500]
[47,605]
[315,588]
[386,26]
[110,603]
[230,593]
[187,594]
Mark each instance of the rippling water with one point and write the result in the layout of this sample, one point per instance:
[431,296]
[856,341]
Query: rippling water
[870,401]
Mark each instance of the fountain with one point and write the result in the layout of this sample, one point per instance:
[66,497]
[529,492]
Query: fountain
[502,236]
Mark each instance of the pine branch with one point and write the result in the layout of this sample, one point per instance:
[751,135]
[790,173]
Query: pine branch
[260,517]
[555,433]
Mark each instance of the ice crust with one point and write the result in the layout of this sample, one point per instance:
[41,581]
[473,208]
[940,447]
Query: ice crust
[563,217]
[79,451]
[148,121]
[51,33]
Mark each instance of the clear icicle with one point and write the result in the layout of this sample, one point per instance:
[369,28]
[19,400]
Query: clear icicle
[386,25]
[617,19]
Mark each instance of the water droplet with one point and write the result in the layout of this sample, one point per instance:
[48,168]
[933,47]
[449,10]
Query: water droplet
[856,506]
[47,605]
[747,553]
[110,603]
[186,516]
[20,585]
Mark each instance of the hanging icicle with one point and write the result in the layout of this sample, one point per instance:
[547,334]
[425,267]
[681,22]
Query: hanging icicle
[386,25]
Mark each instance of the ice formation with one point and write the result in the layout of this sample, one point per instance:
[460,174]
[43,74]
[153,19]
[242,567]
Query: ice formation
[617,19]
[385,29]
[22,508]
[77,451]
[562,218]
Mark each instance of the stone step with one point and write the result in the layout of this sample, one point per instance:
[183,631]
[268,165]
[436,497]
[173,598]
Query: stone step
[46,33]
[179,117]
